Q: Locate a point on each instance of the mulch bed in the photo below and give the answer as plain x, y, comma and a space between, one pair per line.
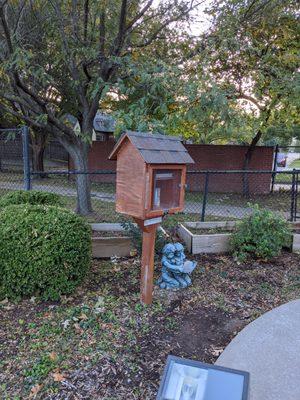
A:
101, 343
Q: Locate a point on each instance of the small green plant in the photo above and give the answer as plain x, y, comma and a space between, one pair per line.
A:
41, 368
44, 251
33, 197
260, 235
135, 235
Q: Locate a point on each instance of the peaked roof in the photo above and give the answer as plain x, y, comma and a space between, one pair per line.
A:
155, 148
104, 122
70, 119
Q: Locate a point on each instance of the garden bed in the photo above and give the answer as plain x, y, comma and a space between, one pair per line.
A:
206, 237
296, 237
110, 240
102, 343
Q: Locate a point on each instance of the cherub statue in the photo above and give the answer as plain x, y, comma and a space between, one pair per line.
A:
175, 270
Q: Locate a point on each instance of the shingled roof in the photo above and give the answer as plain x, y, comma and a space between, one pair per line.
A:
155, 148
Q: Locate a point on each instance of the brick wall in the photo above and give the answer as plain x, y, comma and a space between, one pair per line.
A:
98, 160
206, 157
230, 157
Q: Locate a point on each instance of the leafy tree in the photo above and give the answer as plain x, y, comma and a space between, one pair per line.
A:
255, 59
233, 84
62, 57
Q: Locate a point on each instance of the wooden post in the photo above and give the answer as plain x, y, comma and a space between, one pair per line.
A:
148, 264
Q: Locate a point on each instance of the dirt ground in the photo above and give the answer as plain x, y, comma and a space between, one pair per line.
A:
101, 343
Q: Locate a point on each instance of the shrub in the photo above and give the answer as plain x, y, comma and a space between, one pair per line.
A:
33, 197
44, 251
261, 235
135, 235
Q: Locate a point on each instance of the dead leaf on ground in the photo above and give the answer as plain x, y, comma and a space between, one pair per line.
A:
34, 391
58, 377
53, 356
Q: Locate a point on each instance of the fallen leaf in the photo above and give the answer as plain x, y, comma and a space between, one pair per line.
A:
66, 323
78, 328
99, 302
58, 377
34, 390
53, 356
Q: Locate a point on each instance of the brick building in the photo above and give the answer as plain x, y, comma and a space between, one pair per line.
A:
206, 157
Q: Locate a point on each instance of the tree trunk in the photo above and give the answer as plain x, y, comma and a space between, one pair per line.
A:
38, 161
252, 145
247, 161
38, 144
79, 155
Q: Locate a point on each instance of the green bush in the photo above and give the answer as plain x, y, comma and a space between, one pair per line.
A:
33, 197
44, 251
260, 235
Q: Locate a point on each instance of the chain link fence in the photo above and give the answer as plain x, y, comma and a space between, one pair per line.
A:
210, 195
232, 194
14, 159
102, 185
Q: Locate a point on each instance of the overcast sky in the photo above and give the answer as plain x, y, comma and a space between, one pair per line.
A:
202, 20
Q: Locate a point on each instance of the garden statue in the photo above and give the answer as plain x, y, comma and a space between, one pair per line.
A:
175, 269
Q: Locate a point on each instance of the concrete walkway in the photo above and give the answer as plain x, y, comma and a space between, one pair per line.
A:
62, 190
269, 348
218, 210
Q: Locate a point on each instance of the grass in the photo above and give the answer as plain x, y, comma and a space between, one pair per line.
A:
277, 201
288, 177
295, 164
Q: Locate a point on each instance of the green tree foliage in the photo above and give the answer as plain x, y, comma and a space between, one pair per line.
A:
231, 84
61, 57
255, 59
44, 251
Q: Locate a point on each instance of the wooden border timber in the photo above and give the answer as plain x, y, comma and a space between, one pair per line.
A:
106, 247
206, 243
110, 246
296, 243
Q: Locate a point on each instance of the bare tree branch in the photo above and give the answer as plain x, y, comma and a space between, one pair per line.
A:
164, 25
121, 31
86, 21
139, 15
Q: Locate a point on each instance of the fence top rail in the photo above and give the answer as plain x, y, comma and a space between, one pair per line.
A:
242, 171
73, 172
289, 147
10, 130
202, 172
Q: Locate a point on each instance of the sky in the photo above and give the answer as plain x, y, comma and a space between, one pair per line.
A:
201, 20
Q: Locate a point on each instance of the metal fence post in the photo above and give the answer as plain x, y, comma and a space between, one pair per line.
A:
296, 195
205, 196
26, 160
274, 168
293, 195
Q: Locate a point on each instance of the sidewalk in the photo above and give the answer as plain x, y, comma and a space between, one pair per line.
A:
269, 349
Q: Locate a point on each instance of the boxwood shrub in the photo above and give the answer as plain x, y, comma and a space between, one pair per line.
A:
44, 251
260, 235
33, 197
